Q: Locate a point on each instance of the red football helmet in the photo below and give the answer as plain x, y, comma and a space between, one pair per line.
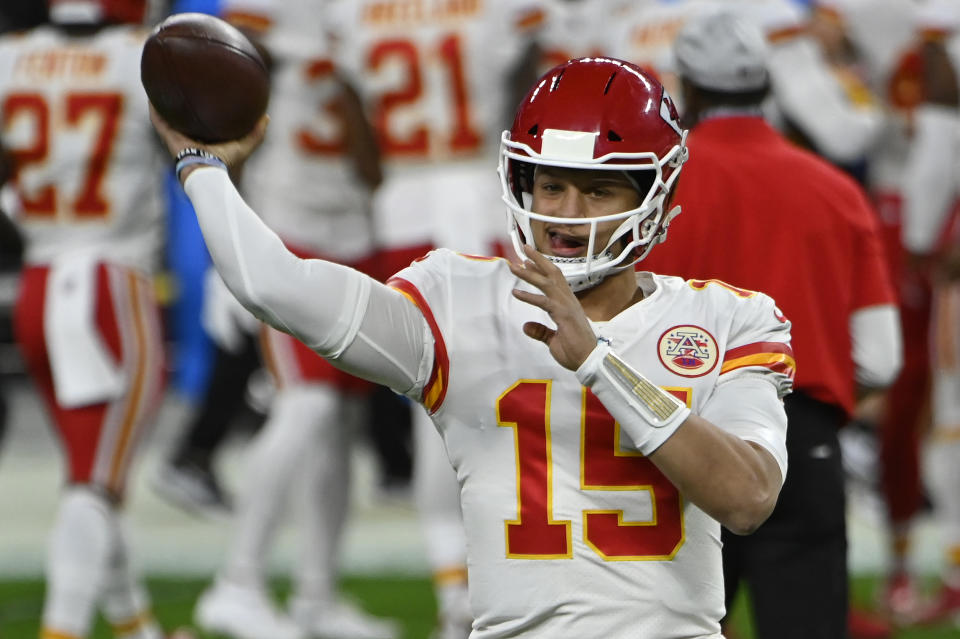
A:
97, 11
596, 113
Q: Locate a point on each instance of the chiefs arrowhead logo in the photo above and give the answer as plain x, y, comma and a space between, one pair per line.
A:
669, 113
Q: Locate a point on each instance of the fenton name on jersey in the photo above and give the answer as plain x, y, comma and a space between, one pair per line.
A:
44, 65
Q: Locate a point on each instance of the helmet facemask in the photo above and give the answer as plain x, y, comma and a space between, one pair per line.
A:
639, 229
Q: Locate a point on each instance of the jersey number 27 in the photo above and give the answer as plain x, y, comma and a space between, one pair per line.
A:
100, 110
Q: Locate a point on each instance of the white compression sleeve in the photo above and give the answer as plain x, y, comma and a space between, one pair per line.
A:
647, 414
362, 326
929, 184
876, 344
807, 92
760, 420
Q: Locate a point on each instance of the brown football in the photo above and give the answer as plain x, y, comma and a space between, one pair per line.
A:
204, 77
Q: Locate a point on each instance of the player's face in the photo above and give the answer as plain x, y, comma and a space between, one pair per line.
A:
577, 193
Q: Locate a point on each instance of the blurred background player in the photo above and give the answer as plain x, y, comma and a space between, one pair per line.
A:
75, 120
816, 102
785, 222
311, 181
187, 476
209, 371
896, 48
809, 101
576, 28
931, 241
439, 85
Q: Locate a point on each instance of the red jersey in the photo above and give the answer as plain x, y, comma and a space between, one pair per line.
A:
762, 214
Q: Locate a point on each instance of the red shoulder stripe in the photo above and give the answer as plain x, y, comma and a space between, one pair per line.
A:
435, 390
776, 356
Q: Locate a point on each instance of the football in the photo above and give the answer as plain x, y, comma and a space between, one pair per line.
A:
204, 77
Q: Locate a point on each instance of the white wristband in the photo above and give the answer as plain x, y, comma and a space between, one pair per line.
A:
647, 414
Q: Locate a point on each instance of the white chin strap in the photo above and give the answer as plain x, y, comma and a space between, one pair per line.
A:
575, 274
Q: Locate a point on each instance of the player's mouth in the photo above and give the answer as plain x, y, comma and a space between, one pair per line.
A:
566, 245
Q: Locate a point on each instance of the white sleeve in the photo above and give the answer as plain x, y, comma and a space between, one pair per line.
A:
929, 176
761, 419
358, 324
877, 345
808, 94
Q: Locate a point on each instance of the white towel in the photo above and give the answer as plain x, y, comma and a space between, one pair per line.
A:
84, 371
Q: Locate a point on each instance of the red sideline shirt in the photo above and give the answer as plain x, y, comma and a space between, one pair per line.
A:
762, 214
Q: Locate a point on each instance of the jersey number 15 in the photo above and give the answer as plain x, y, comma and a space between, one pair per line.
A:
604, 466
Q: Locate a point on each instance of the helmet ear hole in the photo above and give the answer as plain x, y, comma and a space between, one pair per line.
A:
522, 177
643, 181
613, 137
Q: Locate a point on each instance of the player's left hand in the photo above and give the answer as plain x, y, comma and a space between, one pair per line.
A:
573, 339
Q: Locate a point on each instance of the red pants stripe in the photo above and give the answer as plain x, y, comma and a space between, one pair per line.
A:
100, 439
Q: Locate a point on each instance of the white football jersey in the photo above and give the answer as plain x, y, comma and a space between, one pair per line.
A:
433, 72
89, 169
570, 532
434, 76
883, 34
804, 89
578, 28
930, 187
301, 180
879, 30
645, 35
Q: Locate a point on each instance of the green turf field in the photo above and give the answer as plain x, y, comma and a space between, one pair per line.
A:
405, 598
408, 599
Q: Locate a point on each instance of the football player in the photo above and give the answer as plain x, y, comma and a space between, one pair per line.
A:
86, 168
603, 423
878, 38
930, 236
806, 96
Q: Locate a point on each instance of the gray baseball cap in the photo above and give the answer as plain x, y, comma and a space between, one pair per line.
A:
722, 52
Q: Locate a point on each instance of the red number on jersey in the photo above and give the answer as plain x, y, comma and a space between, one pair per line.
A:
418, 141
605, 466
535, 534
525, 407
33, 106
103, 110
309, 140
